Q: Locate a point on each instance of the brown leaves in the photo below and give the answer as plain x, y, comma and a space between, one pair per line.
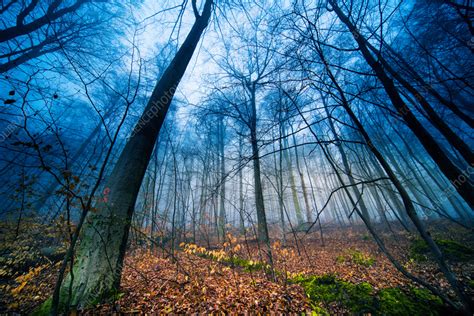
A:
190, 283
153, 284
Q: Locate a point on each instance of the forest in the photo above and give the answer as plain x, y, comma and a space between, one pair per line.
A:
236, 157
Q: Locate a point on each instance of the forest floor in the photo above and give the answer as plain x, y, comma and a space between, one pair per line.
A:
346, 275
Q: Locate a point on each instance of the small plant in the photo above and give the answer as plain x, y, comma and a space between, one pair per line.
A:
225, 257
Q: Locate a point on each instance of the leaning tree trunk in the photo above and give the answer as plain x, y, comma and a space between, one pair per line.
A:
411, 212
345, 163
97, 270
429, 88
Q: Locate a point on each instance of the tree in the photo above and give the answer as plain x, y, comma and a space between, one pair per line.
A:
97, 269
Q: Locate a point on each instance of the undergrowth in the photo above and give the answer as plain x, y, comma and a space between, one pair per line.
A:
357, 257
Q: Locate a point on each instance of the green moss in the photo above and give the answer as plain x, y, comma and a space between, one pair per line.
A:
340, 259
329, 290
357, 257
452, 250
470, 283
455, 251
43, 309
248, 265
361, 258
394, 301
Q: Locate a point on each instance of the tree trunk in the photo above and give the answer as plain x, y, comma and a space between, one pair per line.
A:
433, 117
429, 88
259, 203
279, 181
294, 193
309, 217
221, 221
241, 189
98, 268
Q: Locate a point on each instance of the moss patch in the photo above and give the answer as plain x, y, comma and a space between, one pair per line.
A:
43, 309
394, 301
329, 291
453, 250
357, 257
361, 258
